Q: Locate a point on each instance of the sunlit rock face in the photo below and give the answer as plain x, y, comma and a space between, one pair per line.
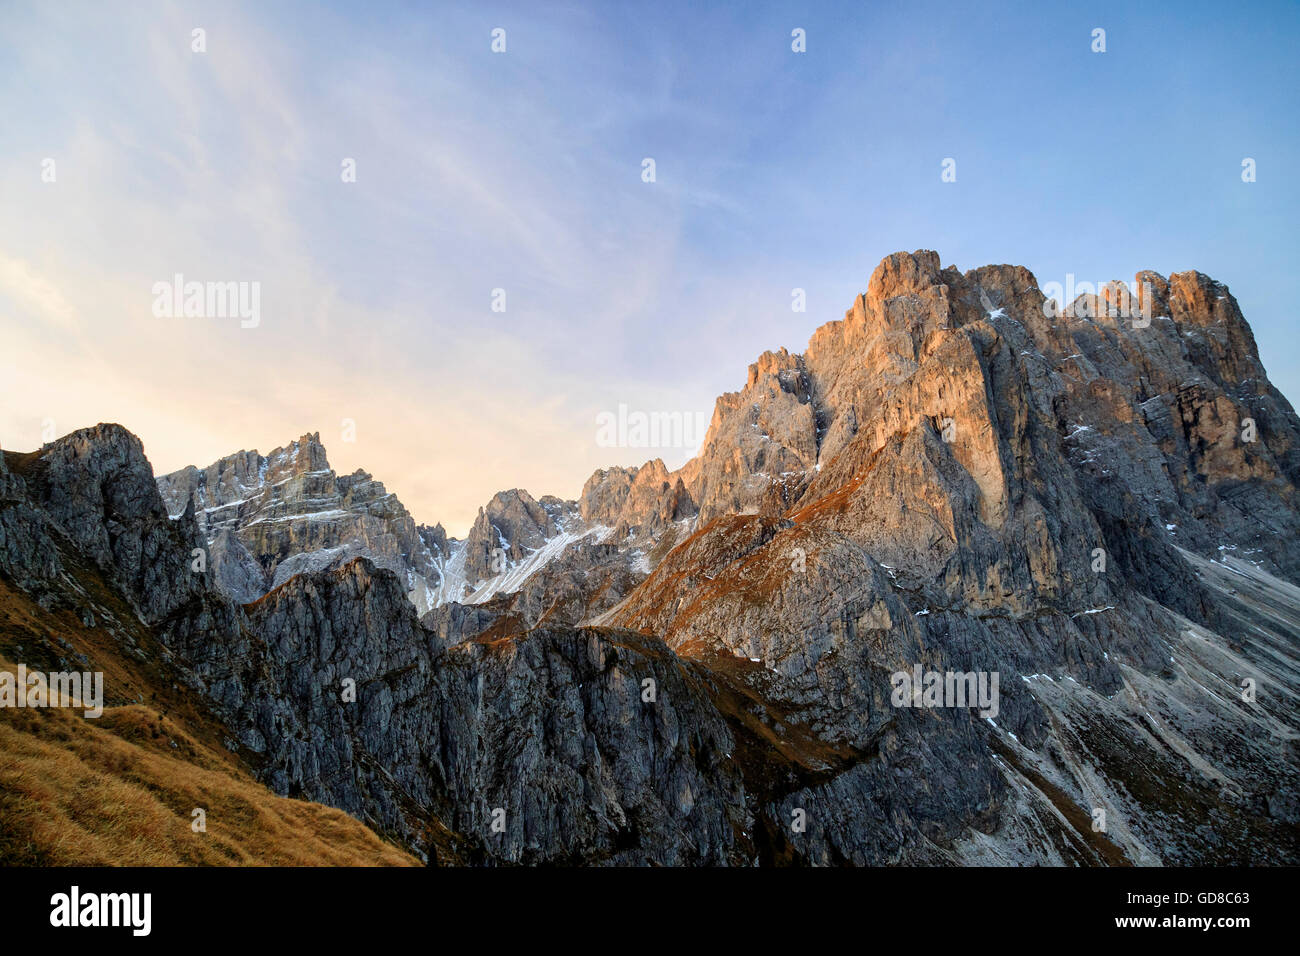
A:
1003, 485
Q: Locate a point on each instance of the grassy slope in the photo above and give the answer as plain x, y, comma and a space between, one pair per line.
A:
120, 790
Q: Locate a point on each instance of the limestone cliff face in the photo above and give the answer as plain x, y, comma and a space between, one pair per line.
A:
269, 518
548, 730
1175, 419
761, 442
513, 523
638, 503
956, 476
997, 486
94, 489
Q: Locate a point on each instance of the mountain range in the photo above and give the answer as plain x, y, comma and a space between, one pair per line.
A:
1092, 504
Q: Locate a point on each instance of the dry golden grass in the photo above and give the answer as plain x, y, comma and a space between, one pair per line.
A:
115, 791
120, 790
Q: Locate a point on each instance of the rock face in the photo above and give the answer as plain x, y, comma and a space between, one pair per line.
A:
269, 518
638, 503
266, 519
95, 489
333, 687
1091, 508
548, 728
761, 442
999, 491
512, 522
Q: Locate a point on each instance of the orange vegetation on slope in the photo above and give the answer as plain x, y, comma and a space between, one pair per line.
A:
121, 789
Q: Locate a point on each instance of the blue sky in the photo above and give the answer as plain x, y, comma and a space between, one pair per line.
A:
522, 171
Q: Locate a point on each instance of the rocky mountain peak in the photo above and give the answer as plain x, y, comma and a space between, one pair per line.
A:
96, 486
302, 456
904, 273
267, 518
510, 526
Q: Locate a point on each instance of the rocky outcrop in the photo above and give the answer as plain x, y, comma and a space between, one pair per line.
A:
95, 489
638, 503
269, 518
512, 525
761, 443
